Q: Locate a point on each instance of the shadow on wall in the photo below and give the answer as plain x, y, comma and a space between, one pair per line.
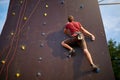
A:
54, 42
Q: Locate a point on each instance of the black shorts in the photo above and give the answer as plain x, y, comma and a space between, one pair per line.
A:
72, 40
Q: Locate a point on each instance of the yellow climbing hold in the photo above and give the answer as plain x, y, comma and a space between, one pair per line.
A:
25, 18
17, 74
12, 33
21, 1
23, 47
3, 61
46, 6
45, 14
13, 13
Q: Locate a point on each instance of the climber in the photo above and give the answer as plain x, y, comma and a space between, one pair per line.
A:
76, 32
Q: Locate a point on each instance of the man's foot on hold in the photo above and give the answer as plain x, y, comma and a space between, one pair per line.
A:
95, 68
71, 53
69, 56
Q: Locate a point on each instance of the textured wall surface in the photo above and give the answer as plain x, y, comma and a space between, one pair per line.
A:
30, 46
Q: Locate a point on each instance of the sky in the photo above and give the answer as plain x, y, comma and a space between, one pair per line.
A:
3, 12
111, 19
110, 16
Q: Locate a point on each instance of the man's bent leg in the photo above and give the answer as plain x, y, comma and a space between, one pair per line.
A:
66, 45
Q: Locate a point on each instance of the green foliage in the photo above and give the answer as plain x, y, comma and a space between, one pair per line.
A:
114, 50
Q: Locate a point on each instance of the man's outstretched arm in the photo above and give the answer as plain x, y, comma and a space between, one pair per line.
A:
88, 33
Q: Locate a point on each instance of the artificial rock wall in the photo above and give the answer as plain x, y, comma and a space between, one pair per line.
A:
30, 46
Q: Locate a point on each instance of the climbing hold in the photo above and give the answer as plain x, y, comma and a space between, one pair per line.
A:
12, 33
43, 34
3, 61
45, 14
17, 75
39, 74
40, 59
81, 6
102, 33
25, 18
46, 6
23, 47
21, 2
62, 1
13, 13
41, 45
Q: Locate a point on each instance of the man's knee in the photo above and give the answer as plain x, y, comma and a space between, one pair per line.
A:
85, 50
62, 43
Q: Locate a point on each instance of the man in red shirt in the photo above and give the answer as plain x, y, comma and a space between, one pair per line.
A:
76, 31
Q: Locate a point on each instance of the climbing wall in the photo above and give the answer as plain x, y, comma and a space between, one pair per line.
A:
30, 46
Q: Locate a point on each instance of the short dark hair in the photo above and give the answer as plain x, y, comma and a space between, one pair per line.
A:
70, 18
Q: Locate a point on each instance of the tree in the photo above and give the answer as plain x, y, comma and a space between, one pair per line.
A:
114, 50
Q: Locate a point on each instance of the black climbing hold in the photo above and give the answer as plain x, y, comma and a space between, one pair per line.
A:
62, 1
81, 6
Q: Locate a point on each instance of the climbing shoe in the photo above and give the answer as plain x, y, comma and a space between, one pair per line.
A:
71, 53
96, 69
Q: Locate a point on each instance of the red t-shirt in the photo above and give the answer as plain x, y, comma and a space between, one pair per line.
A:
73, 27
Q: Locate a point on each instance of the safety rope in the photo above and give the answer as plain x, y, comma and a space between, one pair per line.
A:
17, 33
